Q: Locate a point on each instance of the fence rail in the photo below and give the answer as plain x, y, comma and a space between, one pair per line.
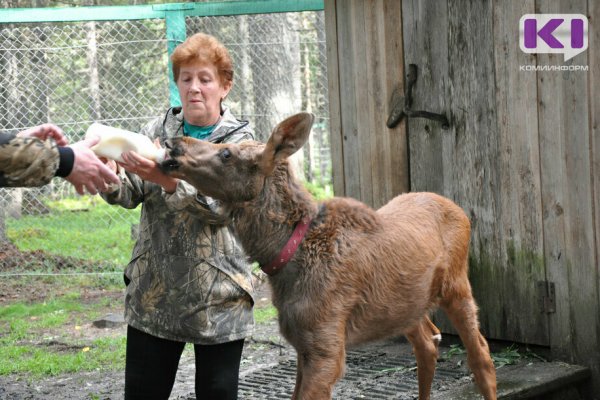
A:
78, 65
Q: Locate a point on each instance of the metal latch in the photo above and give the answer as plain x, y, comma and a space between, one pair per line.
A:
547, 297
400, 105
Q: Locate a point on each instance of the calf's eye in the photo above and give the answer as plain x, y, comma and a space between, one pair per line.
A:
225, 154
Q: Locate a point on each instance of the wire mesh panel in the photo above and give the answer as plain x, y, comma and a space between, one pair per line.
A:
116, 73
280, 68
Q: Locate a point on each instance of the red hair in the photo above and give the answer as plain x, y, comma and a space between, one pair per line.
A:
203, 48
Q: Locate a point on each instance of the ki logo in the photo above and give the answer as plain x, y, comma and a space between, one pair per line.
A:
554, 33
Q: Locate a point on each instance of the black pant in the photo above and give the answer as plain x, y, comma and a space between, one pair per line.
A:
151, 365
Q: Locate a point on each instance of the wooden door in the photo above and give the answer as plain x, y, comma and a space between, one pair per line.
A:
488, 161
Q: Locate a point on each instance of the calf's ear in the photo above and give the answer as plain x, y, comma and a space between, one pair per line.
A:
287, 138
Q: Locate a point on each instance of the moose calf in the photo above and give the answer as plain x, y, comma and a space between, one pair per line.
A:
341, 273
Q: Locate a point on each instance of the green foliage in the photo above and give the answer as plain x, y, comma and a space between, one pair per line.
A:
507, 356
82, 228
454, 350
24, 349
319, 192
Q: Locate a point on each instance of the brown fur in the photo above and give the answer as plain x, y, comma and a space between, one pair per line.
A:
359, 274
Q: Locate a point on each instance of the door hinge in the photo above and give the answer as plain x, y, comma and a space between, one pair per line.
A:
547, 296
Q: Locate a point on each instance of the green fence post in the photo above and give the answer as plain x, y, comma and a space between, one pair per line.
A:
176, 33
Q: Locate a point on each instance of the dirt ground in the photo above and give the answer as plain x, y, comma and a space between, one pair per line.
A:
384, 370
267, 367
262, 349
264, 354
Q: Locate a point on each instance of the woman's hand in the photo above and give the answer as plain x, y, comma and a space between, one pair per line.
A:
147, 170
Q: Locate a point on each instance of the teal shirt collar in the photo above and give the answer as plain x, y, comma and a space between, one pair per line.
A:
197, 132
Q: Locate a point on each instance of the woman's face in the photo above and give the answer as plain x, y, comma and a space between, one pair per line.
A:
201, 91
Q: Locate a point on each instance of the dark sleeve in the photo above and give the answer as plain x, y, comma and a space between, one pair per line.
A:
67, 160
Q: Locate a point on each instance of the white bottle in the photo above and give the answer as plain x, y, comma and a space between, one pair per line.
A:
114, 141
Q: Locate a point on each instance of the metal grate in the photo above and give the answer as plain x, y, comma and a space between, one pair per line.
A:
369, 375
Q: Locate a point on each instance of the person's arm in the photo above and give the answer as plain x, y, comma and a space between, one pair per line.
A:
45, 132
186, 198
129, 193
34, 156
27, 161
179, 195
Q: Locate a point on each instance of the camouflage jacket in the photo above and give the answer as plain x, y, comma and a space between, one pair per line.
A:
27, 161
189, 280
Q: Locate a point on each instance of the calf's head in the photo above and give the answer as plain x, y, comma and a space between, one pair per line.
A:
234, 172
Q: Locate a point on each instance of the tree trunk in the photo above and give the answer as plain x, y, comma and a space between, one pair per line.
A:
307, 100
243, 73
275, 63
92, 60
322, 103
36, 110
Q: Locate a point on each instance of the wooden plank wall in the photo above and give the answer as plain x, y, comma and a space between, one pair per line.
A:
593, 94
569, 196
364, 50
519, 226
521, 157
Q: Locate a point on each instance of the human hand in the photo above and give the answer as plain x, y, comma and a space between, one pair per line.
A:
112, 164
89, 172
147, 170
44, 132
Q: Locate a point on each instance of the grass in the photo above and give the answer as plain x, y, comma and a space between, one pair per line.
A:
36, 338
101, 354
265, 314
25, 346
29, 343
85, 228
68, 302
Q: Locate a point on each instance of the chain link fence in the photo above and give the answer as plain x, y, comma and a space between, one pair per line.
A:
116, 73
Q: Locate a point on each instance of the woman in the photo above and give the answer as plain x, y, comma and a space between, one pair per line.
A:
188, 280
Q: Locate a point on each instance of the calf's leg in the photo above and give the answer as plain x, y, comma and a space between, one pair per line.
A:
425, 338
299, 368
460, 307
319, 375
321, 361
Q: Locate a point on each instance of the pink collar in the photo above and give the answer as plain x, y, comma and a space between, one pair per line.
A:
288, 251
